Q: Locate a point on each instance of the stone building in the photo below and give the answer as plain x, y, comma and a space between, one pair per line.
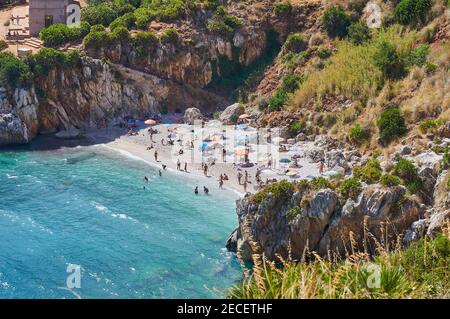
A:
43, 13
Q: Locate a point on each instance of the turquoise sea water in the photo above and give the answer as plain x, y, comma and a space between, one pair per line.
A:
86, 206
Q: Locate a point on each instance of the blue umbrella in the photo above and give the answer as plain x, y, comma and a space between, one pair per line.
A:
203, 146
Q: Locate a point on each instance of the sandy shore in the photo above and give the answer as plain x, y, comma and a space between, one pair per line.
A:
137, 146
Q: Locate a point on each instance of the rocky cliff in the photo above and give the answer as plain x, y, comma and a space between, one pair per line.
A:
292, 220
93, 94
197, 55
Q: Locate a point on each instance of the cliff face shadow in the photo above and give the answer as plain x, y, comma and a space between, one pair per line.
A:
50, 142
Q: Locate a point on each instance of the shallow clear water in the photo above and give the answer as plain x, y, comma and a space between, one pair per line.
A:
87, 206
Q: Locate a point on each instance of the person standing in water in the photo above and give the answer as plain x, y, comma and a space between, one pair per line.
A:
196, 190
146, 179
206, 190
160, 173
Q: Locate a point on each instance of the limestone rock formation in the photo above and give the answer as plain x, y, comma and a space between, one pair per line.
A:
192, 114
232, 113
299, 223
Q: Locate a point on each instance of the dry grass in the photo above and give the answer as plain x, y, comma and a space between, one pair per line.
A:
351, 72
420, 271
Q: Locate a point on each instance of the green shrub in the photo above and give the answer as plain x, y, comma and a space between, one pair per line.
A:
350, 188
390, 180
47, 58
389, 61
54, 35
291, 83
358, 33
282, 7
420, 271
294, 128
358, 134
370, 173
408, 173
428, 261
58, 34
223, 23
446, 159
97, 39
418, 56
440, 149
13, 71
170, 35
391, 124
323, 53
121, 33
296, 43
430, 67
320, 183
142, 42
101, 13
412, 11
278, 100
427, 125
97, 28
128, 20
282, 191
336, 21
293, 212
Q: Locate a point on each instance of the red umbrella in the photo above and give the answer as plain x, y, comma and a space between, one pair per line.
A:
150, 122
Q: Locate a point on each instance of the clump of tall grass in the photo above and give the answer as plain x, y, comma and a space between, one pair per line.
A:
352, 72
422, 270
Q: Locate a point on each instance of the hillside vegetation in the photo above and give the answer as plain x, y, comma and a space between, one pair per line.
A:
420, 271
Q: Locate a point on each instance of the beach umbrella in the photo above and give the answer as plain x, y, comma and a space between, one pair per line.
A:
203, 146
150, 122
285, 160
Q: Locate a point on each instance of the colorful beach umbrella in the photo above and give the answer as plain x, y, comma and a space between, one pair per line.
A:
285, 160
150, 122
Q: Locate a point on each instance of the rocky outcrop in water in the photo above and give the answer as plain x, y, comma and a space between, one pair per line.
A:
306, 222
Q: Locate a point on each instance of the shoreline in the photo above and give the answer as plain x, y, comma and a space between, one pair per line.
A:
131, 147
137, 147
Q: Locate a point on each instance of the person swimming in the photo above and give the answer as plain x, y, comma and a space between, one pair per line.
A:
146, 179
206, 190
196, 190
